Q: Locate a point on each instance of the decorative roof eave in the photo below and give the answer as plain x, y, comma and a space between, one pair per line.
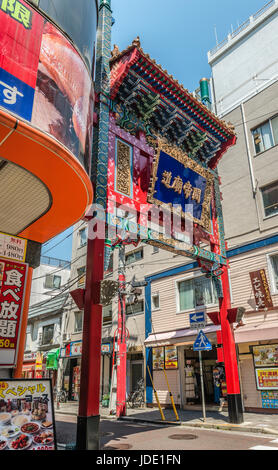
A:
136, 56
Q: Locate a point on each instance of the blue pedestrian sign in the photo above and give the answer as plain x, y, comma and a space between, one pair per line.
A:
202, 343
197, 320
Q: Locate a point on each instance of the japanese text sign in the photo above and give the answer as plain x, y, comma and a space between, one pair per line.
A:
26, 415
12, 247
267, 379
261, 289
12, 290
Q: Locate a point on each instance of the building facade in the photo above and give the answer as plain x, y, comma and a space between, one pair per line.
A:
49, 298
245, 77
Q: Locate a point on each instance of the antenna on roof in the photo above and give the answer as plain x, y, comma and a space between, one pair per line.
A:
215, 32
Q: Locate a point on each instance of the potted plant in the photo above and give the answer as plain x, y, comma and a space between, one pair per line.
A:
105, 401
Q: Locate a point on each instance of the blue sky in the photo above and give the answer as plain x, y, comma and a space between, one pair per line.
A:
177, 34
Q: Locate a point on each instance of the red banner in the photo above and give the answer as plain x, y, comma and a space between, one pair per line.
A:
12, 289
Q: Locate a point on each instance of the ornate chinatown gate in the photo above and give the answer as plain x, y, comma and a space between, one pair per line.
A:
161, 147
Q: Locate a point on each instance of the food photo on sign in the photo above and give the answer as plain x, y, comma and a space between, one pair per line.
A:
26, 415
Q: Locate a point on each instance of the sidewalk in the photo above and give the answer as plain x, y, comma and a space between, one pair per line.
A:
253, 422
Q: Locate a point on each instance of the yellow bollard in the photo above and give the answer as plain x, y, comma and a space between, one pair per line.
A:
171, 396
156, 397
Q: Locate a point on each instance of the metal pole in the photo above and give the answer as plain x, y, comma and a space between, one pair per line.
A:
202, 386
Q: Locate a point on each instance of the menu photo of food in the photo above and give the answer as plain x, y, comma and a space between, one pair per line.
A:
26, 415
171, 357
266, 355
158, 358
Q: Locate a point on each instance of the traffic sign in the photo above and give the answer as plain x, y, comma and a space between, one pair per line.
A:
202, 343
197, 320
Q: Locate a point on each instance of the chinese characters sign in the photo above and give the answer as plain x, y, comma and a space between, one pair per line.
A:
267, 379
12, 247
261, 289
12, 289
179, 181
26, 415
72, 349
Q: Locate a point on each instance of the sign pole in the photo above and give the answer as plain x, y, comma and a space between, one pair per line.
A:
202, 386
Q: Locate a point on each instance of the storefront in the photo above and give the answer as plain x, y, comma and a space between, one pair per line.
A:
179, 365
258, 364
71, 355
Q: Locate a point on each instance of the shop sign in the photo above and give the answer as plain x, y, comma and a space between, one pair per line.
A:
266, 355
27, 409
105, 348
270, 399
39, 361
13, 248
171, 357
267, 379
261, 289
12, 283
29, 357
158, 358
72, 349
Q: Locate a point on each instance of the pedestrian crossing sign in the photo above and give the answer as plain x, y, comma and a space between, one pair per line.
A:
202, 343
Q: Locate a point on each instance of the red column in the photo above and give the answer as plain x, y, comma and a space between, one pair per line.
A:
121, 353
88, 416
230, 357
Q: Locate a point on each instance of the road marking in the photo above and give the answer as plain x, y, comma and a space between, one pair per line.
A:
263, 448
275, 441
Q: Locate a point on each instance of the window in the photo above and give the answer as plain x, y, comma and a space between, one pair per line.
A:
270, 199
274, 271
47, 334
197, 292
78, 321
52, 281
155, 301
82, 237
81, 276
134, 256
135, 308
266, 135
107, 315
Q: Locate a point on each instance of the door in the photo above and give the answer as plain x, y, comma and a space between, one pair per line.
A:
136, 373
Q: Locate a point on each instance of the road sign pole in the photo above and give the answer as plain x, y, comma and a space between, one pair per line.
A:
202, 386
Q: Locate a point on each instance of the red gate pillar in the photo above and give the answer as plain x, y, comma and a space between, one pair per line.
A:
121, 353
230, 357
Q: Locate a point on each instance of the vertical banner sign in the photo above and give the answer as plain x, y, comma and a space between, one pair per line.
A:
27, 415
261, 289
12, 291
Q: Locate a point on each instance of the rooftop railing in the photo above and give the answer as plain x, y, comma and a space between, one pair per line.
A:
59, 263
242, 27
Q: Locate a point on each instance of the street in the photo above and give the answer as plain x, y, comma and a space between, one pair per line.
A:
123, 436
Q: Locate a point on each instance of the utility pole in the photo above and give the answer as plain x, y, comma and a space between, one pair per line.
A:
121, 343
88, 415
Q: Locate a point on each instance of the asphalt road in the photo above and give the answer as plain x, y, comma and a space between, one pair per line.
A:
117, 435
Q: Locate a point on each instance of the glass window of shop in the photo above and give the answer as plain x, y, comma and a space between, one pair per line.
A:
78, 20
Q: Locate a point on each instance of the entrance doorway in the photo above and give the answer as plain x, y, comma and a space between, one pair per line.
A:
136, 368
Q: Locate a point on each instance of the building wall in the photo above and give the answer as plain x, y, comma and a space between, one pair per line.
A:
39, 292
246, 61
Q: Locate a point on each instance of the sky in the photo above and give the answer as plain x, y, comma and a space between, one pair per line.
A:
178, 34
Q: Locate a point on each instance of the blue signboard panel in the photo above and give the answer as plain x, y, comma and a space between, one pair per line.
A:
197, 319
202, 343
177, 184
15, 95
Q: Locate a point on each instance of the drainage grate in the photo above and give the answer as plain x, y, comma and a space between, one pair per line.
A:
117, 447
180, 437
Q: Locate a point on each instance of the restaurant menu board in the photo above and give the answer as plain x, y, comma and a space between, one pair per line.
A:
12, 291
267, 379
270, 399
12, 247
171, 357
165, 357
266, 355
158, 358
27, 415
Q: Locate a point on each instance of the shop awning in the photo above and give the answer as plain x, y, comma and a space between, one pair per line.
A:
177, 336
264, 330
52, 359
